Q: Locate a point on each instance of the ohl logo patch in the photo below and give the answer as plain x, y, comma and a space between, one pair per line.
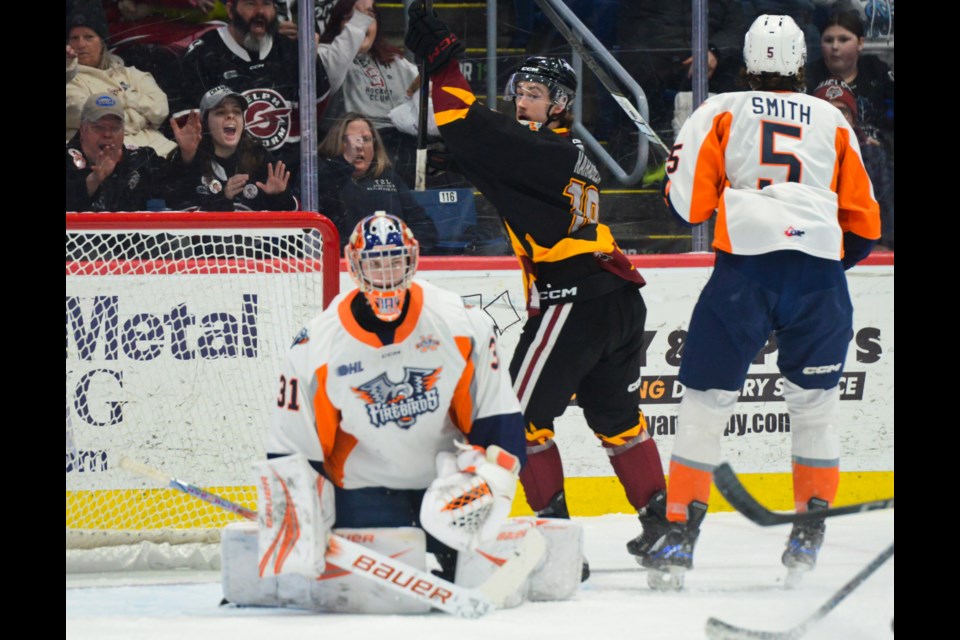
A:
427, 343
401, 402
269, 118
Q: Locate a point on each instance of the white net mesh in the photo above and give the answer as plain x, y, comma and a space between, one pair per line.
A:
173, 342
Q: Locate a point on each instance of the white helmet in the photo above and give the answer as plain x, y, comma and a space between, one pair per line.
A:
774, 44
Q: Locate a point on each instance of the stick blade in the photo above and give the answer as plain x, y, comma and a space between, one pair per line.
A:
730, 487
135, 466
719, 630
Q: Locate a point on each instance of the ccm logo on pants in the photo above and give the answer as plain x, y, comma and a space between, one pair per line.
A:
828, 368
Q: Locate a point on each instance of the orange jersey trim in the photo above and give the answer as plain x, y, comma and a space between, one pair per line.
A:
326, 416
350, 324
859, 210
461, 405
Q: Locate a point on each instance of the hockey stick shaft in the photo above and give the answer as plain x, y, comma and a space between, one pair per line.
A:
587, 56
421, 168
367, 563
730, 487
719, 630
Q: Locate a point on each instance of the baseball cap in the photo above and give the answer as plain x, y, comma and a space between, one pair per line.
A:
217, 95
836, 89
99, 105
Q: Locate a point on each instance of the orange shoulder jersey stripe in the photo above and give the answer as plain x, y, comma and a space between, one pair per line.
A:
781, 170
461, 406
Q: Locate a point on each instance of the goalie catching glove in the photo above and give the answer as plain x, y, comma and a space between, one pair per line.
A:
430, 40
470, 500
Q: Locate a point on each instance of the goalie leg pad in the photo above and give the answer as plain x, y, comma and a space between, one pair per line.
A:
336, 590
295, 507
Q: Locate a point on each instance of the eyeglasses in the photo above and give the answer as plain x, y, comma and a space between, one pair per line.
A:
363, 139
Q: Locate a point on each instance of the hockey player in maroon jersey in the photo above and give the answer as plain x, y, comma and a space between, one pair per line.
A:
784, 174
584, 332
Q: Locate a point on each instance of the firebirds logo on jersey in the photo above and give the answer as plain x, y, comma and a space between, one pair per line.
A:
401, 402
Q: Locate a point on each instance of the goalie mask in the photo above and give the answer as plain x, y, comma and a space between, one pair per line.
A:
382, 257
554, 73
774, 44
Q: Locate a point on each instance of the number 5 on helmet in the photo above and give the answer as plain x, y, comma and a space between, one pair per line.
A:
471, 498
296, 511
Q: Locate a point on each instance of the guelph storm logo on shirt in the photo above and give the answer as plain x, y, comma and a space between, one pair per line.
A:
401, 402
270, 118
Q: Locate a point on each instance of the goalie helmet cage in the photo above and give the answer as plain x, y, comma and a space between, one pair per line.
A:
176, 326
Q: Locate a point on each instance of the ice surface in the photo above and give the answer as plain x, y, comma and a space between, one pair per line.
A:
737, 577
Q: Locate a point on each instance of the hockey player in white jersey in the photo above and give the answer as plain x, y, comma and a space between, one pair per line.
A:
392, 373
783, 173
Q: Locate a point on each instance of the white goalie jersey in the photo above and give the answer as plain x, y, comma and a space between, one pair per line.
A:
377, 415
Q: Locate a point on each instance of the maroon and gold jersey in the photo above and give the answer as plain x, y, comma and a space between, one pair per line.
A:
541, 182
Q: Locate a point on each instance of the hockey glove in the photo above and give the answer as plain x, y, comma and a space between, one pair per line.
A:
430, 40
470, 500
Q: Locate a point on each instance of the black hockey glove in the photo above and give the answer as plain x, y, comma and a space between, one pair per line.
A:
429, 39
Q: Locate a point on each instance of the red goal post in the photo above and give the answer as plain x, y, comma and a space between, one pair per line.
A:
176, 324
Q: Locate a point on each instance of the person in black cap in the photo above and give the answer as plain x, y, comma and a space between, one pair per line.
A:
219, 166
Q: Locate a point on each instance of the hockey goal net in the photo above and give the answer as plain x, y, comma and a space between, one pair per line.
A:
175, 327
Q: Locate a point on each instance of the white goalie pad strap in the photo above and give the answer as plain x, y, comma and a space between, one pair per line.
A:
337, 590
472, 496
556, 577
295, 510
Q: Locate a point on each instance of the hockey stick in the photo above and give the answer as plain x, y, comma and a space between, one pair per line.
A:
421, 174
740, 499
719, 630
361, 561
587, 56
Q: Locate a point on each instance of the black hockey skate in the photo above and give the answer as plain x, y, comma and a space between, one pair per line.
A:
558, 509
653, 519
669, 557
804, 544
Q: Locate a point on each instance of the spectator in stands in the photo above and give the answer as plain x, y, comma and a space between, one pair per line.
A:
356, 177
102, 173
378, 80
91, 69
289, 12
656, 49
219, 166
153, 35
869, 78
879, 167
246, 56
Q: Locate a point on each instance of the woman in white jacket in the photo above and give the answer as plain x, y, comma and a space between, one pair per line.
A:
95, 70
378, 80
